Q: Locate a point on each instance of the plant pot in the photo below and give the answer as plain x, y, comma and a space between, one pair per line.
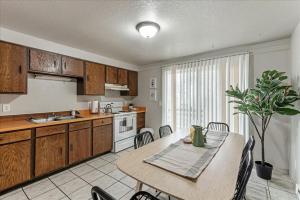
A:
264, 171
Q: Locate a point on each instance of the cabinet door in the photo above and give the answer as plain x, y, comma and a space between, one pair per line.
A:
79, 145
122, 76
102, 139
13, 68
94, 79
14, 163
132, 84
111, 75
140, 120
72, 67
45, 62
50, 153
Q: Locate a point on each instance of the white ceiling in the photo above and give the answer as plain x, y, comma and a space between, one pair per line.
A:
187, 27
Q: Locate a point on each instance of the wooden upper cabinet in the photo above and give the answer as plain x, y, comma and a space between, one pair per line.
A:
111, 75
94, 80
44, 62
15, 151
132, 84
72, 67
13, 68
122, 76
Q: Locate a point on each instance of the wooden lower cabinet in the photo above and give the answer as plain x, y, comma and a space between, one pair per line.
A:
50, 153
140, 120
79, 145
102, 139
14, 163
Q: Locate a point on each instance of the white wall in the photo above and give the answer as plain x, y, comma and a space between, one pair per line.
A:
295, 125
51, 96
269, 55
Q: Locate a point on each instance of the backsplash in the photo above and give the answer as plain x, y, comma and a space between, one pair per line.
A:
52, 96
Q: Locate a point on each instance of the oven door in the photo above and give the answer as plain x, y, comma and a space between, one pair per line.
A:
124, 127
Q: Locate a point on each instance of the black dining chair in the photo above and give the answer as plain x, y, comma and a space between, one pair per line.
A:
99, 194
217, 126
142, 139
249, 146
165, 131
243, 177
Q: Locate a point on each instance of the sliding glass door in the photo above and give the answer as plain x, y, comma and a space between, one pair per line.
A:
194, 92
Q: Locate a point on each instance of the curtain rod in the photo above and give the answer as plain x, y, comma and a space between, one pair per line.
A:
206, 59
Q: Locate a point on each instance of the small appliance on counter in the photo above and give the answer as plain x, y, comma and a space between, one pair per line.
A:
94, 106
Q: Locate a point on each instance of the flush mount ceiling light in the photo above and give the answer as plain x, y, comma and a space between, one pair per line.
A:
147, 29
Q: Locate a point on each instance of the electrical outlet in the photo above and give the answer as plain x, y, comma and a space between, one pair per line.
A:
6, 108
298, 191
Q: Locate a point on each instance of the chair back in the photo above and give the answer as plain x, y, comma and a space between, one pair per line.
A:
99, 194
142, 139
143, 196
217, 126
165, 131
249, 146
243, 176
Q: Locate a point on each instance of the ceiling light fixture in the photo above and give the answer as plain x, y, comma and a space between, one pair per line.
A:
147, 29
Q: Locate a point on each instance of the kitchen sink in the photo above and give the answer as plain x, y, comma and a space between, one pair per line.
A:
50, 119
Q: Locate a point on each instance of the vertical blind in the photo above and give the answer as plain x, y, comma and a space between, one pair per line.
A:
194, 92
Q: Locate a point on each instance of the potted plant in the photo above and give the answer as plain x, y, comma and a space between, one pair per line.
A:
269, 96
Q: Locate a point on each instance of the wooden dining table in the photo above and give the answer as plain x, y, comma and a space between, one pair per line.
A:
216, 182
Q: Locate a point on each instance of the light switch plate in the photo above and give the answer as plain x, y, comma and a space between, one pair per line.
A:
5, 107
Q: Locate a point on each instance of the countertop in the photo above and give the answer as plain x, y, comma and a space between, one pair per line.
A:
14, 125
17, 124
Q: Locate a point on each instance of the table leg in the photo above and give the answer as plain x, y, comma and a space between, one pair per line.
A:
139, 186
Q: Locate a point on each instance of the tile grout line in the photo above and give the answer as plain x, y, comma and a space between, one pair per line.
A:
59, 189
41, 193
25, 193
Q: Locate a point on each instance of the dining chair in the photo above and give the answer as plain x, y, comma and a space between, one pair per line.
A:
217, 126
99, 194
165, 130
142, 139
248, 147
243, 177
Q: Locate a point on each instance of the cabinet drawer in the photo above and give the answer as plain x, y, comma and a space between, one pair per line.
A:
79, 125
16, 136
50, 130
100, 122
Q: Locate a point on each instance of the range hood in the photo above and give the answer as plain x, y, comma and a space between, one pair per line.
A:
116, 87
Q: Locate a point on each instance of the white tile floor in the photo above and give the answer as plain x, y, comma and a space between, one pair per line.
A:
76, 183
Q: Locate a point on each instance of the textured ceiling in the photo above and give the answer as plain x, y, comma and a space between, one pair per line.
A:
187, 27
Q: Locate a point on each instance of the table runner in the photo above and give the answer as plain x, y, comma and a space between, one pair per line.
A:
187, 160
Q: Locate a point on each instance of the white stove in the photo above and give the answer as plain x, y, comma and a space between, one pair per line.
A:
124, 126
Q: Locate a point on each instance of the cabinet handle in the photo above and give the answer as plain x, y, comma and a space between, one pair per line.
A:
71, 147
55, 63
20, 69
65, 65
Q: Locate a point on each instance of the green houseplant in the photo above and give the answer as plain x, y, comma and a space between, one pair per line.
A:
269, 96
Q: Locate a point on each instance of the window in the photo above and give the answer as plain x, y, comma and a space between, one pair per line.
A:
194, 92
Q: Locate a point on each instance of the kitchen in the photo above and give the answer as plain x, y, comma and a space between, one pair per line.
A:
151, 99
47, 142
